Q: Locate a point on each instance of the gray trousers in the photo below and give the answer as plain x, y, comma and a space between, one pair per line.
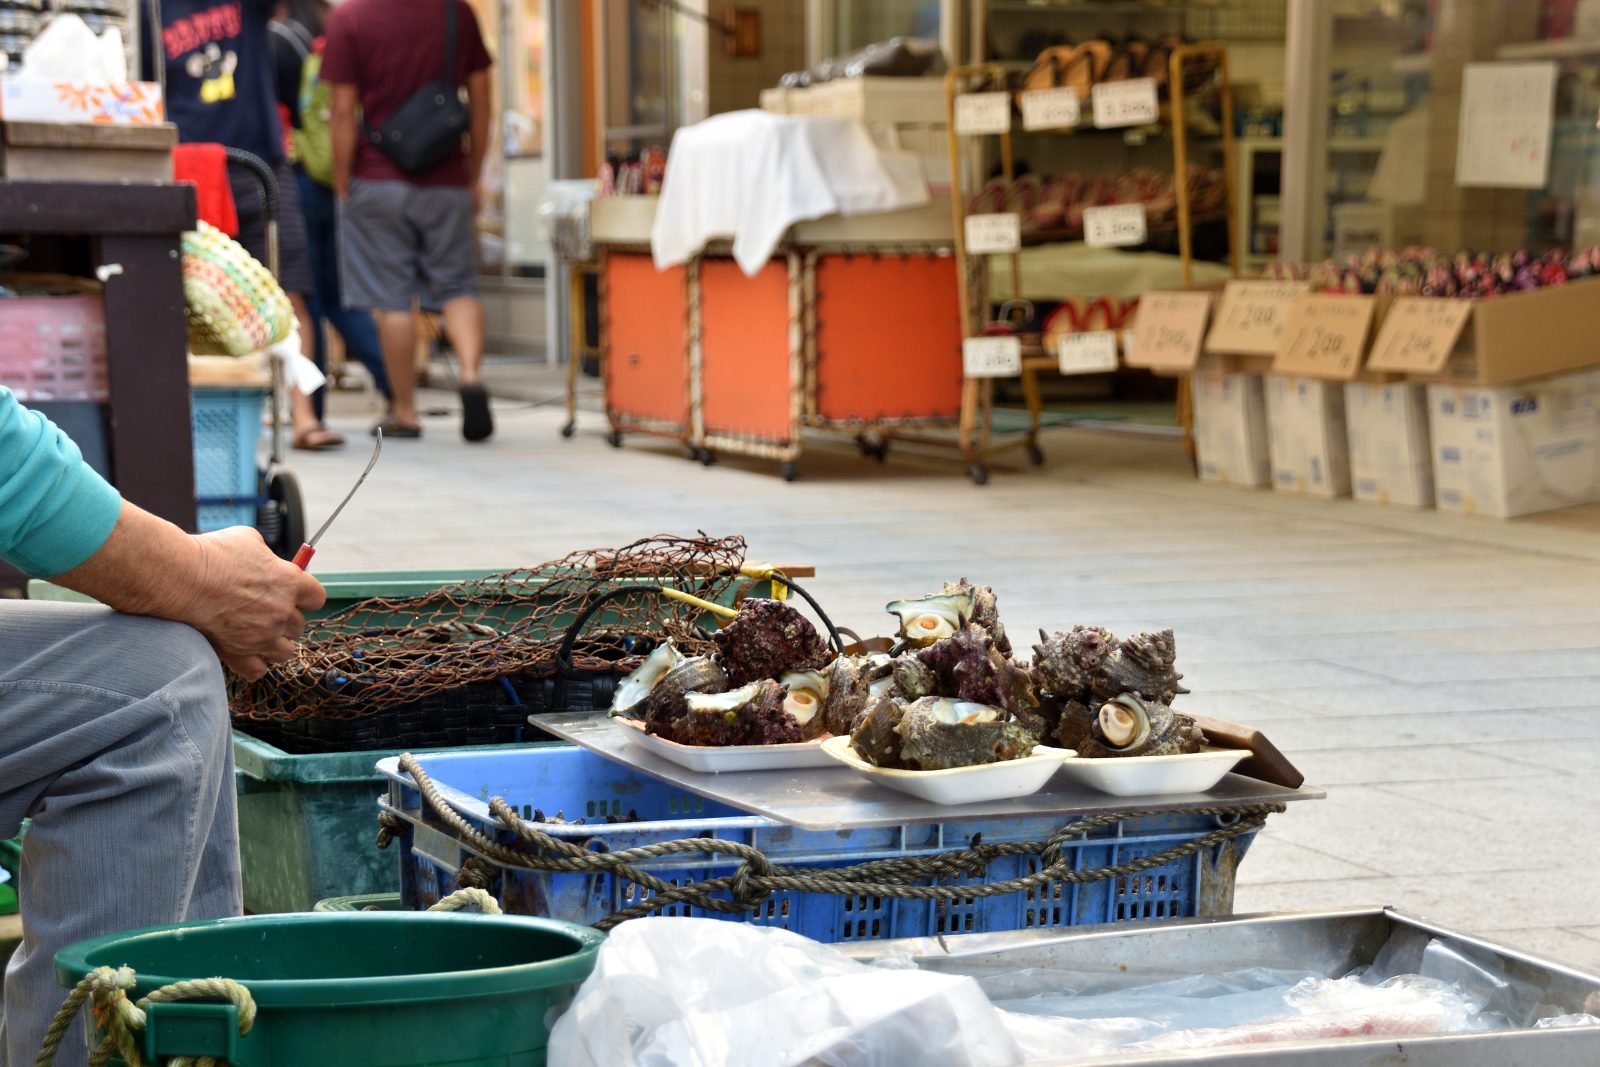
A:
114, 738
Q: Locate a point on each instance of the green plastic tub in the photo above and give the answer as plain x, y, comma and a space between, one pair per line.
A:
362, 989
365, 902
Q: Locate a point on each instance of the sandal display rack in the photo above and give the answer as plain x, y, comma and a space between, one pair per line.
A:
977, 439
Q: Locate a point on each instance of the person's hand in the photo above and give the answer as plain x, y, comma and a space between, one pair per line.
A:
246, 601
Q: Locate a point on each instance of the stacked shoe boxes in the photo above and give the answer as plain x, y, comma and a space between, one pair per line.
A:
1230, 429
1516, 449
1390, 457
1306, 438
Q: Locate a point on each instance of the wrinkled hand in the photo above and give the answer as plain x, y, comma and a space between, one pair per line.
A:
247, 602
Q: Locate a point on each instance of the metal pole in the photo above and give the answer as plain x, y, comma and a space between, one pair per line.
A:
1305, 130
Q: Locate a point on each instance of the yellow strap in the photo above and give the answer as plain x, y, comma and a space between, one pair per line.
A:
704, 605
762, 571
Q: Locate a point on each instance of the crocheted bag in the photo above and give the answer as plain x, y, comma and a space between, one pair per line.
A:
233, 304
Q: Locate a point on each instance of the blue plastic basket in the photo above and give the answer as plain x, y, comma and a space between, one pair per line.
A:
579, 785
227, 428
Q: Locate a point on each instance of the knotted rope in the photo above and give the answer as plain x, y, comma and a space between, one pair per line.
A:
124, 1021
757, 877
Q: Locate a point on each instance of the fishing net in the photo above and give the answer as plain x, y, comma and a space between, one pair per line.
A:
503, 630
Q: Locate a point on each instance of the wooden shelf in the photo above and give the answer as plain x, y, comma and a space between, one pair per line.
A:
1563, 48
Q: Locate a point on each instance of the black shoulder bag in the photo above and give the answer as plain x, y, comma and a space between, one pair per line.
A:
427, 127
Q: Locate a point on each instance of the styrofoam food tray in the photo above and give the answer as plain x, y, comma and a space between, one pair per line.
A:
959, 785
708, 759
1156, 776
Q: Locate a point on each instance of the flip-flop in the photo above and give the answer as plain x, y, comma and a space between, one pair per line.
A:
477, 424
317, 439
391, 427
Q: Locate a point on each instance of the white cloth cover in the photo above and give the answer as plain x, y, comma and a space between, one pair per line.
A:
750, 175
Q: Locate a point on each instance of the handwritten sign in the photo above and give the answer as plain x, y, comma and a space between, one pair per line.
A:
993, 233
1325, 337
1094, 352
1132, 102
1114, 225
991, 357
1251, 316
1170, 327
1506, 114
1419, 334
983, 113
1050, 109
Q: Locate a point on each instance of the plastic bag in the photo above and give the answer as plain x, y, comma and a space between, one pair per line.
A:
692, 992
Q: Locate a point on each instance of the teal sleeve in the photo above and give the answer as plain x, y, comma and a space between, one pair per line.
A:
55, 511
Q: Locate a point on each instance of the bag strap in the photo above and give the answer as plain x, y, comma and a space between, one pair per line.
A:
450, 42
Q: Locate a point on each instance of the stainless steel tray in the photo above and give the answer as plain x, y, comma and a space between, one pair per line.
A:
1332, 942
835, 798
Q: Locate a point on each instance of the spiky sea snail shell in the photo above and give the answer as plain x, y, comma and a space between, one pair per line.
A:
926, 620
633, 689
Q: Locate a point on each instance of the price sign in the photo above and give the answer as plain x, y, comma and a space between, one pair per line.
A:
1131, 102
1170, 328
1507, 111
1094, 352
1050, 109
1251, 316
993, 233
1325, 337
1113, 225
991, 357
1419, 334
983, 113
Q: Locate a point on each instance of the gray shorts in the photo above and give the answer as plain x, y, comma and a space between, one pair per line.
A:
399, 242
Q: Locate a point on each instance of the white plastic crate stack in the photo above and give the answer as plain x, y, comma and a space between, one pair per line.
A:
1306, 436
1391, 461
1230, 429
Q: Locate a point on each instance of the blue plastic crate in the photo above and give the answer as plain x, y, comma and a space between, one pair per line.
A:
580, 785
227, 429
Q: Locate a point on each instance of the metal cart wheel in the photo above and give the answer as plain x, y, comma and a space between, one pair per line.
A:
282, 519
979, 474
1035, 455
790, 471
568, 428
707, 457
614, 439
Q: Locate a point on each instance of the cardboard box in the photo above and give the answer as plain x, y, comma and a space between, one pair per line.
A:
35, 100
1306, 436
1230, 429
1391, 459
1516, 449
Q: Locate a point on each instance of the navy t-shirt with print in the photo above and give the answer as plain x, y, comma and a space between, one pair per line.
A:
220, 74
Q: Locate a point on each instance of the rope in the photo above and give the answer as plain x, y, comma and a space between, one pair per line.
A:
469, 898
757, 877
106, 990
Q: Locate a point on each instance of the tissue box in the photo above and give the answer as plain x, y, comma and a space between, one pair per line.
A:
24, 99
1306, 436
1230, 429
1390, 461
1517, 449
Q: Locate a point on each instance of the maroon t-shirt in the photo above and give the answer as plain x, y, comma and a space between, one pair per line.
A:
388, 49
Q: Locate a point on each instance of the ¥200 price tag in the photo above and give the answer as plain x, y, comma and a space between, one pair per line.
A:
992, 357
1114, 225
1094, 352
983, 113
993, 233
1419, 334
1050, 109
1126, 103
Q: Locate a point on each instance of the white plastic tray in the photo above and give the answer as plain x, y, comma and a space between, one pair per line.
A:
959, 785
1156, 776
708, 759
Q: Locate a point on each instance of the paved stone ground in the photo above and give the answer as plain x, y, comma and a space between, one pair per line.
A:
1439, 676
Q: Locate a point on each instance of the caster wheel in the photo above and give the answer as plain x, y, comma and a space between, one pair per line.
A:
569, 429
287, 521
790, 472
707, 457
692, 452
979, 474
881, 453
1036, 455
614, 439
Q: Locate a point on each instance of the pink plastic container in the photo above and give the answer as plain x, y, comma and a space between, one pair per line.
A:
53, 347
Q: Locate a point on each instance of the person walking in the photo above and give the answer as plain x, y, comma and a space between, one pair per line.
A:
407, 157
304, 103
114, 729
220, 90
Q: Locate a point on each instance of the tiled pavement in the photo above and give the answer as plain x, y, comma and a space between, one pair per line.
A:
1439, 676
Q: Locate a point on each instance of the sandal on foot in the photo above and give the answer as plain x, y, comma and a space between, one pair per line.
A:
393, 427
317, 439
477, 424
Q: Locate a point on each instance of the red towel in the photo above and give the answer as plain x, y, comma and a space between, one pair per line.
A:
205, 166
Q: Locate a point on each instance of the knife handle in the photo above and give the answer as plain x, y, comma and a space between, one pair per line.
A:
302, 558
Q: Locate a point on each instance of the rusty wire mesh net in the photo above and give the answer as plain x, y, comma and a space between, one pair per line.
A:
380, 654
